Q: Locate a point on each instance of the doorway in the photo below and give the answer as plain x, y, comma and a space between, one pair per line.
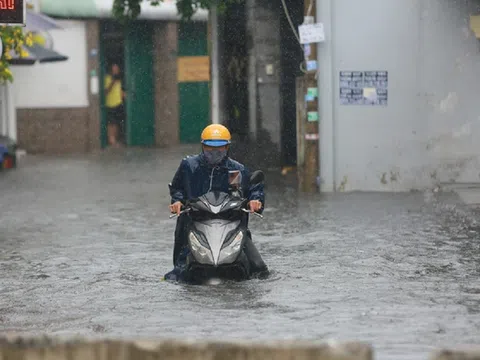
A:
291, 58
112, 45
235, 70
131, 47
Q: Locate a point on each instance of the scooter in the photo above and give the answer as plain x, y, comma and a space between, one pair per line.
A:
217, 232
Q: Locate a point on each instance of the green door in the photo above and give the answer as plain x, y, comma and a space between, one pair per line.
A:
194, 95
140, 124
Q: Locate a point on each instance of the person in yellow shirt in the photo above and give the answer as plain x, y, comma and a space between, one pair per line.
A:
114, 96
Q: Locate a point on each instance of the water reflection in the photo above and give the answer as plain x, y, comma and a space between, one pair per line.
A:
84, 244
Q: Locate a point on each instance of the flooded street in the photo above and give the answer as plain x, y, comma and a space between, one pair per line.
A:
85, 241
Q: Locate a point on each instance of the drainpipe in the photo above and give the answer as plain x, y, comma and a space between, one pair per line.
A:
3, 111
252, 71
11, 112
215, 103
3, 104
334, 108
327, 88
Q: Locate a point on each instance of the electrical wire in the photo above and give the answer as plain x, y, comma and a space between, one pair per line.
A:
310, 6
287, 14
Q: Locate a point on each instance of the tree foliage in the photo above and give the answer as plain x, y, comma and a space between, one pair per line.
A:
13, 38
125, 10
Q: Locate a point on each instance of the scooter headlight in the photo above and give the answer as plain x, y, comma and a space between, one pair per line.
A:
202, 254
230, 252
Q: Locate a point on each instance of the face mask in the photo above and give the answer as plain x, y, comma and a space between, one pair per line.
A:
213, 157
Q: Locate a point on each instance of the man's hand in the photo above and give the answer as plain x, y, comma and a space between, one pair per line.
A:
255, 205
176, 207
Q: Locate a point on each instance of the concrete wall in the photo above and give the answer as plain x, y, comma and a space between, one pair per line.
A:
165, 46
47, 349
23, 348
60, 84
426, 132
450, 70
92, 136
263, 28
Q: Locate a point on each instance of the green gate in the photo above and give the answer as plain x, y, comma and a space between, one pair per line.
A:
140, 126
193, 82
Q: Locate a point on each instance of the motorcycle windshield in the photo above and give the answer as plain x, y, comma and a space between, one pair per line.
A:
216, 202
216, 198
216, 232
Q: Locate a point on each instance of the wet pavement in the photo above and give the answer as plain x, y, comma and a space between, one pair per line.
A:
84, 242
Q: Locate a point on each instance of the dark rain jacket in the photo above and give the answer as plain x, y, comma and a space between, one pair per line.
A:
195, 177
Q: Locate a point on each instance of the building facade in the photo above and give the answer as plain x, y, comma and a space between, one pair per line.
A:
166, 67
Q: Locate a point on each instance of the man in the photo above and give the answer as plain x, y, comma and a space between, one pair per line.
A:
114, 96
209, 171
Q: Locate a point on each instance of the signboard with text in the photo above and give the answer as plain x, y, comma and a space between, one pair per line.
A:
311, 33
12, 12
364, 88
193, 69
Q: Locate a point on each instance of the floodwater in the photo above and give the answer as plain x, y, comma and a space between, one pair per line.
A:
85, 241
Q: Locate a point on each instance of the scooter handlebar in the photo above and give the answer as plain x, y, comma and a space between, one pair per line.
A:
181, 212
254, 213
188, 209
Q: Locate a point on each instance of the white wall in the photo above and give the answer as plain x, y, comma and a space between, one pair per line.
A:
59, 84
451, 89
427, 132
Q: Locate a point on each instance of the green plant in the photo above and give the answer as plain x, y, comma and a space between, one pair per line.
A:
13, 39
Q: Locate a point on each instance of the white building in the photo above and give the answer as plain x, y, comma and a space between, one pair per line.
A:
60, 106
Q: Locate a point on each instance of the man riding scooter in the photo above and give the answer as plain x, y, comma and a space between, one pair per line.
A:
209, 171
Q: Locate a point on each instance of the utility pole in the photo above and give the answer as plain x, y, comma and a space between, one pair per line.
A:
308, 137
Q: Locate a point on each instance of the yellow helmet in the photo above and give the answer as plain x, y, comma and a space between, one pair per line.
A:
216, 135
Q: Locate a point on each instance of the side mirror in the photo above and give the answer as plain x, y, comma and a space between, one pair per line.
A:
257, 177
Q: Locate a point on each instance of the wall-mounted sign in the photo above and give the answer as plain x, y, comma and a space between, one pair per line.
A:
312, 136
364, 88
307, 50
193, 68
311, 33
312, 116
311, 65
312, 92
12, 12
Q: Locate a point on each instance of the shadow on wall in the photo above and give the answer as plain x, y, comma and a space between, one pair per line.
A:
261, 154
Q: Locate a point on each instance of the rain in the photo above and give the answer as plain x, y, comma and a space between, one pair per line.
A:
384, 249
